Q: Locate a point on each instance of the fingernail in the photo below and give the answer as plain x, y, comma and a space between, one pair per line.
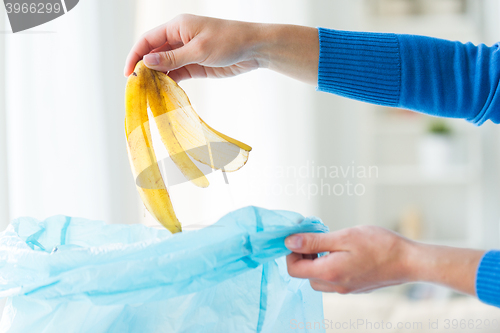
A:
294, 242
152, 59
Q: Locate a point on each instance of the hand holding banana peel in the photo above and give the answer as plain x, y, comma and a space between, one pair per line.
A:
182, 131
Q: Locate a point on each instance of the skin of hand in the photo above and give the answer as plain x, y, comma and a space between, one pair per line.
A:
192, 46
365, 258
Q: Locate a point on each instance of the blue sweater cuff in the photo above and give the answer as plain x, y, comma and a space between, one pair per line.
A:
360, 65
488, 279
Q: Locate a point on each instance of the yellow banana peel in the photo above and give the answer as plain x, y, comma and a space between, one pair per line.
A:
182, 132
149, 181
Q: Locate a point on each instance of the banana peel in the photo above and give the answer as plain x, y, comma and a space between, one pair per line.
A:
183, 133
198, 139
149, 181
161, 102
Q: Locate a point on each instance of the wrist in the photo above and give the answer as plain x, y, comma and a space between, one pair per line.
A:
265, 42
417, 269
407, 265
288, 49
455, 268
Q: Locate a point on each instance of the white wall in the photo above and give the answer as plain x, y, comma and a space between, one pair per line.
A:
64, 116
338, 121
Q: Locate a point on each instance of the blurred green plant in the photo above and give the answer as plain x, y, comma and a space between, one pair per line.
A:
439, 127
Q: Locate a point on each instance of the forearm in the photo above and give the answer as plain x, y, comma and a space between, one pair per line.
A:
290, 50
455, 268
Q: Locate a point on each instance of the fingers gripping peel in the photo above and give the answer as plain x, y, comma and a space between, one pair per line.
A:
182, 132
149, 181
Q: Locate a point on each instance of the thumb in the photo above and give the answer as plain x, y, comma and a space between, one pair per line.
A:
309, 243
172, 59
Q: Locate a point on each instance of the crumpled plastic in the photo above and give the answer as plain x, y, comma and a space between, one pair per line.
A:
69, 275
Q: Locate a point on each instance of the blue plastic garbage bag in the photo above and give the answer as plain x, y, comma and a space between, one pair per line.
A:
74, 275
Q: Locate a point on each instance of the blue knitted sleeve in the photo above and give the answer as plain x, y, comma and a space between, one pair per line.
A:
488, 279
429, 75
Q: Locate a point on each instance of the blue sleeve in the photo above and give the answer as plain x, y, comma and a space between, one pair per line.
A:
488, 279
429, 75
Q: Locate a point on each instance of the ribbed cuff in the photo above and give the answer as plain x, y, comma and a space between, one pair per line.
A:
360, 65
488, 279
